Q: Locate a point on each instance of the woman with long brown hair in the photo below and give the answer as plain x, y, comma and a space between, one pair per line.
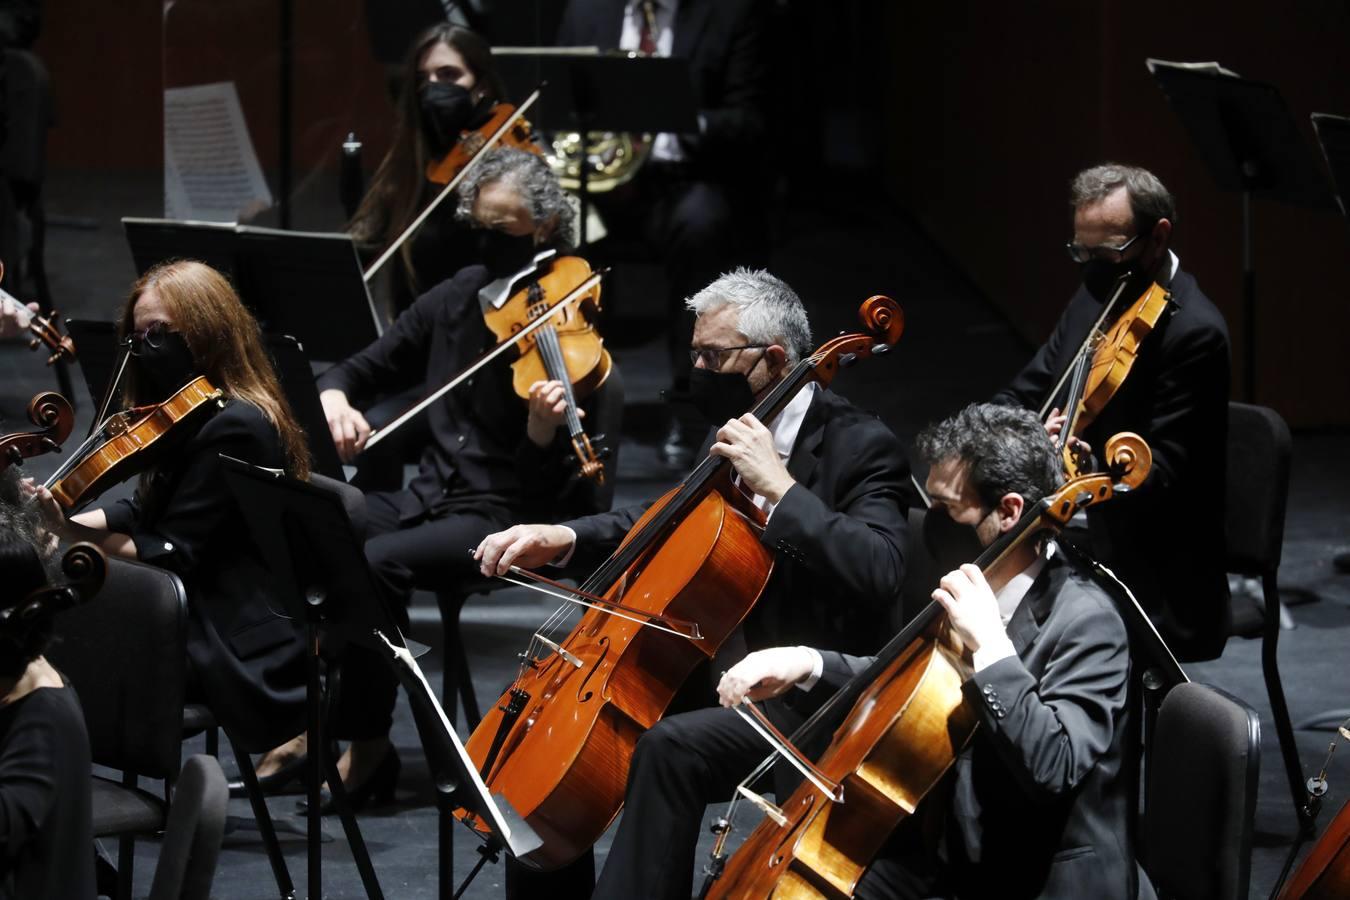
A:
449, 84
245, 660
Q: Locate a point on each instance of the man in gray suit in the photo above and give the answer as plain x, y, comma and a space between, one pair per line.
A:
1036, 805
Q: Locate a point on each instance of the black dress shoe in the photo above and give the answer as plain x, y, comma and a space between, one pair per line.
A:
377, 790
294, 770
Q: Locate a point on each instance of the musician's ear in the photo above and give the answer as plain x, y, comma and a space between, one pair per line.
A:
775, 359
1010, 510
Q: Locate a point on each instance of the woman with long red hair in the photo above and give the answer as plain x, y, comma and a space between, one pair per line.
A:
182, 319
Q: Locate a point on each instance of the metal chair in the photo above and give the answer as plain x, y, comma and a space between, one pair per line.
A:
1202, 795
1259, 451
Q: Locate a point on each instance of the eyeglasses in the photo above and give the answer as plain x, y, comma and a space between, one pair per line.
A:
714, 358
151, 336
1080, 254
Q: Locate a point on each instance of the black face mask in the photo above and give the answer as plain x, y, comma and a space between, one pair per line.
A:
447, 109
162, 370
719, 396
1100, 278
949, 543
505, 254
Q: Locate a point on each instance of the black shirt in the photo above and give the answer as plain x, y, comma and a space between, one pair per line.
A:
46, 835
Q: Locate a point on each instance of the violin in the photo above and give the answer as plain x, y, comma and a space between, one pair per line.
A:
44, 331
506, 125
128, 442
1102, 364
558, 744
55, 419
542, 314
568, 350
907, 723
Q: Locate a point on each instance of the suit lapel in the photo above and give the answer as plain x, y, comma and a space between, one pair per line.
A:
806, 450
607, 26
1025, 625
690, 20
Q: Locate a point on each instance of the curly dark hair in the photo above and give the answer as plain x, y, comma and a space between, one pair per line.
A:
1006, 448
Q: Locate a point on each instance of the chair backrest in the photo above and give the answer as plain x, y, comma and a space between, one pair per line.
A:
1202, 794
1257, 489
353, 501
125, 654
191, 847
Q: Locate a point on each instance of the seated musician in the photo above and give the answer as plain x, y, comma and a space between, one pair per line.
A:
245, 660
492, 457
1036, 805
449, 84
699, 202
46, 834
831, 479
1165, 540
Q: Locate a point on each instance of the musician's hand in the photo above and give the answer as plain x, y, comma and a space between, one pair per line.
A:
349, 428
527, 546
749, 446
764, 673
548, 409
14, 319
971, 608
1054, 423
53, 516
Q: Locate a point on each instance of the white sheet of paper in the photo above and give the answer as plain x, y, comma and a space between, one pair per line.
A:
211, 172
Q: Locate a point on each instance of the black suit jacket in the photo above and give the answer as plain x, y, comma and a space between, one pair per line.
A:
479, 451
1166, 540
1037, 804
723, 41
838, 535
245, 657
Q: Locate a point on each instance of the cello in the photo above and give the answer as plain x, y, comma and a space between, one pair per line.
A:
559, 744
907, 723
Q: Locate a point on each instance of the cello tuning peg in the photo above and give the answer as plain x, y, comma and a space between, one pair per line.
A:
847, 359
880, 349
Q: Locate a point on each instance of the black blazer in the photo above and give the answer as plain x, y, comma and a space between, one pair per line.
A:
839, 535
479, 451
1039, 806
245, 657
1166, 540
723, 41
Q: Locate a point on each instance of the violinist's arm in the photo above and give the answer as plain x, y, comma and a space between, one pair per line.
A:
1030, 387
89, 526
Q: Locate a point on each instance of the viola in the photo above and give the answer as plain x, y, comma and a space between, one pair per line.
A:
54, 418
44, 331
568, 350
559, 743
506, 125
128, 442
907, 723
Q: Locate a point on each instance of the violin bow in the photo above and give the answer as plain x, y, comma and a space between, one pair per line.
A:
1083, 347
454, 183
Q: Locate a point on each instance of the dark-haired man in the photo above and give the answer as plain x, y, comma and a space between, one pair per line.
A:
1166, 539
1037, 803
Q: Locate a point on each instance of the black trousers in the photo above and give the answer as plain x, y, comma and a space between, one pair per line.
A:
432, 554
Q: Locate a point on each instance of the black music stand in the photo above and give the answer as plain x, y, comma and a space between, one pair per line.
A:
590, 92
98, 357
309, 284
313, 551
1251, 145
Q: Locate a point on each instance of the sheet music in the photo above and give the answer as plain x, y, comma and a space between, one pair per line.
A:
211, 171
1210, 68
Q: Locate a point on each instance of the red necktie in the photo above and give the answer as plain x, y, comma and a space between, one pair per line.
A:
646, 29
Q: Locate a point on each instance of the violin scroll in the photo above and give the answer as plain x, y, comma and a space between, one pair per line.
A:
55, 419
1128, 460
